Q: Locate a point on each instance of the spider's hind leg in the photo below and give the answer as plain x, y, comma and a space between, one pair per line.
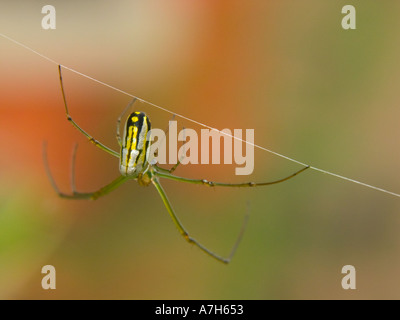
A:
75, 194
186, 235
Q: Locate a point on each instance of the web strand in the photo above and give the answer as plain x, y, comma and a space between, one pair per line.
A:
199, 123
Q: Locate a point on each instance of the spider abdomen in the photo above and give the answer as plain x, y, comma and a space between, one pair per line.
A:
135, 145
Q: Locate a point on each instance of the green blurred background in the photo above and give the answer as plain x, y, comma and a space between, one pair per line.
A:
311, 90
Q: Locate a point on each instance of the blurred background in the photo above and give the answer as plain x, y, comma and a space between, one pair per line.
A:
310, 90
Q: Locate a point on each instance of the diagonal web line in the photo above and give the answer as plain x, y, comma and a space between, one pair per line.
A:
199, 123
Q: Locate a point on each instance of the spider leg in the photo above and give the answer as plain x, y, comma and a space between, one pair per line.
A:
169, 171
69, 118
186, 235
119, 120
183, 155
222, 184
72, 173
75, 194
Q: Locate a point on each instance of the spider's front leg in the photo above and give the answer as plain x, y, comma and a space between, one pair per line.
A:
69, 118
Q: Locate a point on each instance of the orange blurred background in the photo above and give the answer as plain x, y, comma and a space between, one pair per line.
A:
310, 90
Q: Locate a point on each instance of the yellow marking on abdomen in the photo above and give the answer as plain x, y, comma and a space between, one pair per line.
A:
128, 139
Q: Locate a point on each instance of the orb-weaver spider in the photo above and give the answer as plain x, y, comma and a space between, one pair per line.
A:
135, 164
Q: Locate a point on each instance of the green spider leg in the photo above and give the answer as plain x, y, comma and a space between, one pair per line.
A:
172, 169
75, 194
69, 118
165, 174
119, 120
186, 235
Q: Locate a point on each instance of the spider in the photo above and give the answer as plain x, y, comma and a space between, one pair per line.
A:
134, 164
